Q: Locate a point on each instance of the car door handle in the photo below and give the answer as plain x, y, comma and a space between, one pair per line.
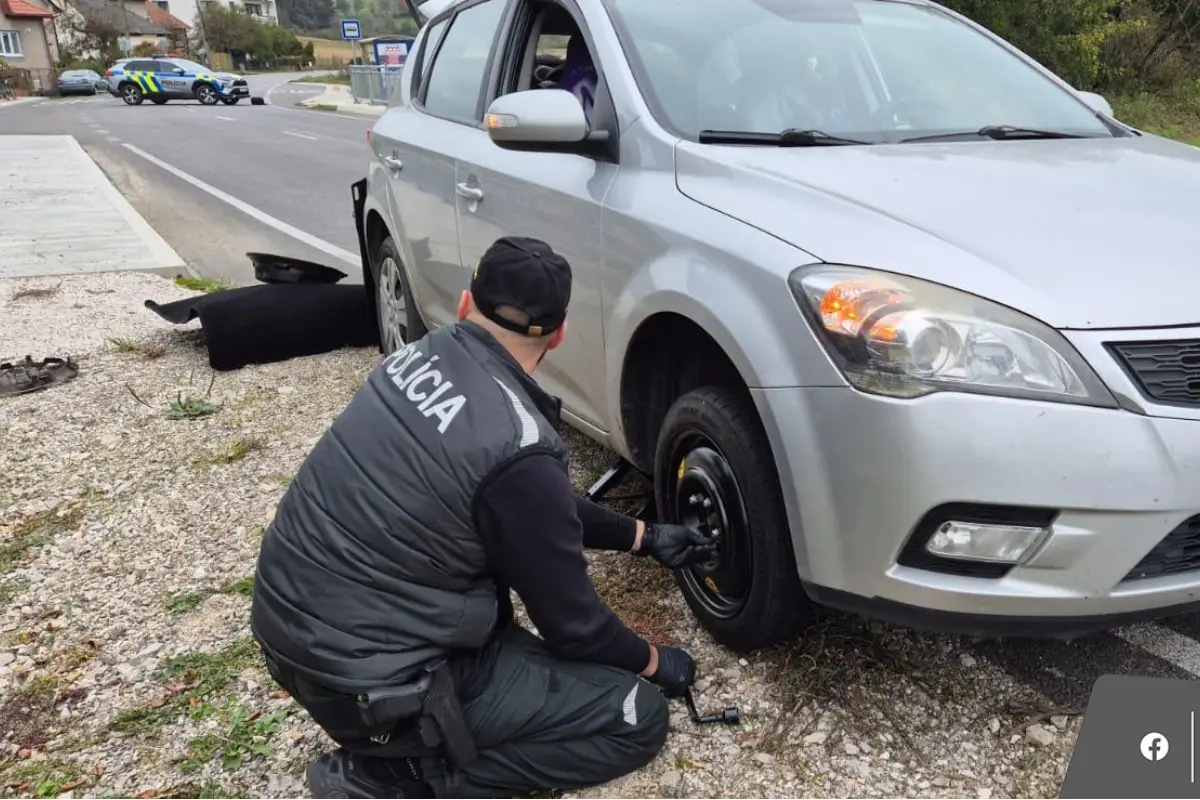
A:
393, 163
469, 192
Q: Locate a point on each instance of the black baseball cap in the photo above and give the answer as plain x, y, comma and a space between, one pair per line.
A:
528, 275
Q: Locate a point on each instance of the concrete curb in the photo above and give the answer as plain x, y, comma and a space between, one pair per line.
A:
337, 97
19, 101
66, 217
362, 109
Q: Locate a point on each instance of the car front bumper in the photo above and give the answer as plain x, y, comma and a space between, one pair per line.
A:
235, 91
860, 472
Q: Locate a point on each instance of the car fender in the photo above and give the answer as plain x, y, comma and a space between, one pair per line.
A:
378, 199
762, 332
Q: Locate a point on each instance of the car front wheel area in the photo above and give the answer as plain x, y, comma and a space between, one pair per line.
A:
207, 95
714, 472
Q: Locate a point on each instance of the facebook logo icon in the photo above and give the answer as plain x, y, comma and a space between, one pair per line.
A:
1155, 746
1138, 740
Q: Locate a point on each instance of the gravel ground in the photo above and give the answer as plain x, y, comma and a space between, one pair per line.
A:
127, 545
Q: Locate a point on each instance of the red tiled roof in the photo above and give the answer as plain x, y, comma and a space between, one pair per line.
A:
23, 8
164, 18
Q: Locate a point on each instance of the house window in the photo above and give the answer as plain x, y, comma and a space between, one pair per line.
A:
10, 44
163, 4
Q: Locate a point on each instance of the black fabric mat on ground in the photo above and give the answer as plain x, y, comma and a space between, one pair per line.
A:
275, 322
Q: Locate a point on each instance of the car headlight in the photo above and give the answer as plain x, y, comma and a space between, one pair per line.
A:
903, 337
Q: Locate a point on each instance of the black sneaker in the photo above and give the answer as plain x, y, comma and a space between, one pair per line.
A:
341, 774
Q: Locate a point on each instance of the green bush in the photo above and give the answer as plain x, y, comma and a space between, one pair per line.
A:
1144, 55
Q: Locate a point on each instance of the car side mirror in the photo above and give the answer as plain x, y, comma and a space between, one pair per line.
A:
179, 70
537, 119
1097, 103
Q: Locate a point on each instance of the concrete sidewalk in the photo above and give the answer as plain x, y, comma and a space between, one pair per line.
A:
337, 97
60, 215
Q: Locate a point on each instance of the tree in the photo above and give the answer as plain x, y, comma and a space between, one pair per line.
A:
227, 29
1067, 36
231, 30
307, 15
91, 37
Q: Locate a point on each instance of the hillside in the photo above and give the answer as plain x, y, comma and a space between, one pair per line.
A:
322, 18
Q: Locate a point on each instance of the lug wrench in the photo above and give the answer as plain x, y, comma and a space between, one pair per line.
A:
730, 716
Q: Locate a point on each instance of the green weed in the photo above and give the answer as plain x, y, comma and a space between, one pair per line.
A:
36, 531
206, 285
183, 603
243, 735
190, 408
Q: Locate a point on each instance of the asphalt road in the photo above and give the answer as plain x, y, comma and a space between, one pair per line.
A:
218, 182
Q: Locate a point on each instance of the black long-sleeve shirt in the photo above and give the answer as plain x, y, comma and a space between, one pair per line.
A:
535, 528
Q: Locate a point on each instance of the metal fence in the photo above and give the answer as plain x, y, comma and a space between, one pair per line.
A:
371, 83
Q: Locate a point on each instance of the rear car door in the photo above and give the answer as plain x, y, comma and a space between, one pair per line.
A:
145, 74
418, 143
555, 197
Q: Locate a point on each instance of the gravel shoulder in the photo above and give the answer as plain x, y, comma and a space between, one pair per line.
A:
132, 501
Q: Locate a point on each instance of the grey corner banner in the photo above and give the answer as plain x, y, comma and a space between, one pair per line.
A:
1138, 740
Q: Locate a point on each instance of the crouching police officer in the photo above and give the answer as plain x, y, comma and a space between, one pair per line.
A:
382, 593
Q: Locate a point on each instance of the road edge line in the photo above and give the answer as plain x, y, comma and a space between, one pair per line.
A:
251, 211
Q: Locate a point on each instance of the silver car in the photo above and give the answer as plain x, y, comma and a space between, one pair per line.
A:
902, 318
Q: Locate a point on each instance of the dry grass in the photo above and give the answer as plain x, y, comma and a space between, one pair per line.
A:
35, 292
330, 51
1175, 115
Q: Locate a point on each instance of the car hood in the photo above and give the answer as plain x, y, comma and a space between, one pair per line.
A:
1080, 233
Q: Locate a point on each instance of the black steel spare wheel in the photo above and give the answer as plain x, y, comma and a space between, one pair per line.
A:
707, 498
714, 472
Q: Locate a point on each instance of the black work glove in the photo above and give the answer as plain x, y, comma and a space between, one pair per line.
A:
676, 671
676, 546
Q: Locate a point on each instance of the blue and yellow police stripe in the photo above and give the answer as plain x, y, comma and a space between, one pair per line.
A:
146, 81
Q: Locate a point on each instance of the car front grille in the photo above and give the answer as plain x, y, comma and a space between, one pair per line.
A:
1179, 552
1168, 372
239, 83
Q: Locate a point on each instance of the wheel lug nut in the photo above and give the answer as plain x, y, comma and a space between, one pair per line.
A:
694, 499
707, 503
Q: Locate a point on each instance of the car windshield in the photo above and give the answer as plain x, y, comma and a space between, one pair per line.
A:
873, 70
76, 73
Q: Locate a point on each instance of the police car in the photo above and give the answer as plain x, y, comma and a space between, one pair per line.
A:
162, 79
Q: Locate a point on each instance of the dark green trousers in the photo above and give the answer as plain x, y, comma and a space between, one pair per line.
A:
544, 724
539, 724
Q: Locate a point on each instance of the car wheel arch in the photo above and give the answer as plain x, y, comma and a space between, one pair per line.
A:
744, 351
668, 355
748, 340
